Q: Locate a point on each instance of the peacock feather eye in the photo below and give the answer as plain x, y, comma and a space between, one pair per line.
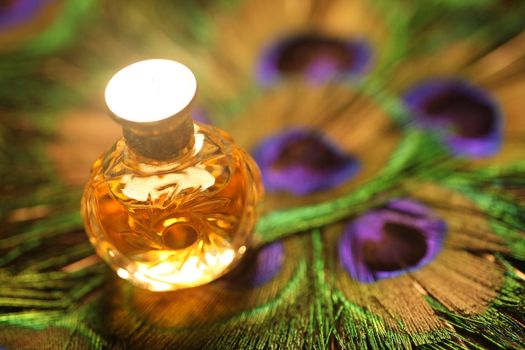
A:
39, 25
200, 115
467, 116
260, 267
317, 58
15, 12
390, 241
302, 161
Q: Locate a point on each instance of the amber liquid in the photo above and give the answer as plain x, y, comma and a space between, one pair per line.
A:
175, 224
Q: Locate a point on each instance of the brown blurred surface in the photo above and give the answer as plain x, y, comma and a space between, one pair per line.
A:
81, 137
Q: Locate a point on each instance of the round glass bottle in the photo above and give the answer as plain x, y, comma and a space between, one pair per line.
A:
173, 203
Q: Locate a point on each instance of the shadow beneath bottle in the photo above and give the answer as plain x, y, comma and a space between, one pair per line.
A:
258, 279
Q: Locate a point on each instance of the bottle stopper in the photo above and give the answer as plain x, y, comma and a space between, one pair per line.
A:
152, 101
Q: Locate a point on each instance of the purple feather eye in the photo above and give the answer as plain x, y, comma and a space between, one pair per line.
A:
258, 267
15, 12
316, 57
200, 115
302, 161
467, 115
387, 242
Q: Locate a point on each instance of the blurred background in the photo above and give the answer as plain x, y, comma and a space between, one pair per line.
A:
391, 139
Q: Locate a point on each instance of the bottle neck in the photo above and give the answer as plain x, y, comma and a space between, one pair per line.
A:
161, 145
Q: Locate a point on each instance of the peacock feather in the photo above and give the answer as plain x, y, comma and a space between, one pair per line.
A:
391, 143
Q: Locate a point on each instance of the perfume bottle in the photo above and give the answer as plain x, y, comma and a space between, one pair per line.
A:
172, 204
